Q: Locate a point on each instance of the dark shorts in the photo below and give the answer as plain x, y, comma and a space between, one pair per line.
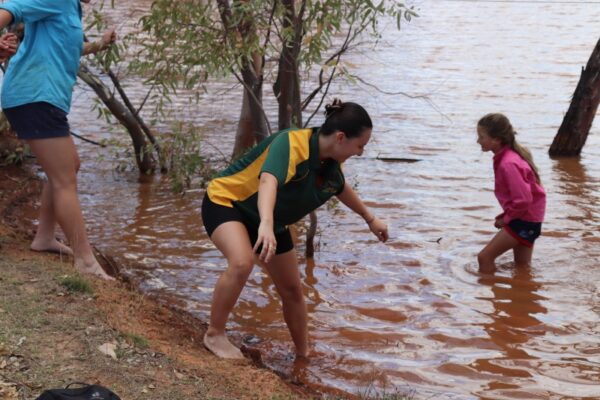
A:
38, 120
214, 215
524, 231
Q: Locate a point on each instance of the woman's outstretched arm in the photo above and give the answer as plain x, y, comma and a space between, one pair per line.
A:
353, 202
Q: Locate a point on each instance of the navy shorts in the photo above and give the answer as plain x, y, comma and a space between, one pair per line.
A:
524, 231
38, 120
214, 215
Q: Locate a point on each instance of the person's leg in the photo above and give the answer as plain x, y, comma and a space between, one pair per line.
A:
283, 269
45, 239
58, 159
523, 256
499, 244
231, 238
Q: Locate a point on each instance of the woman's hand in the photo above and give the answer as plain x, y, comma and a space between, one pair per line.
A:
266, 237
109, 37
8, 45
499, 223
379, 229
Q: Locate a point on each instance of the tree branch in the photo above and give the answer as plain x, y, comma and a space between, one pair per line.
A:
257, 101
423, 97
338, 55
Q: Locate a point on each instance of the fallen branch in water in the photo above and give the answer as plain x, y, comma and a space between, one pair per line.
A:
397, 159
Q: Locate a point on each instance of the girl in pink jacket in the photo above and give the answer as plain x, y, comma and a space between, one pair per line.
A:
517, 188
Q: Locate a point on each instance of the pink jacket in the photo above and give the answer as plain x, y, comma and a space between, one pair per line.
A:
516, 188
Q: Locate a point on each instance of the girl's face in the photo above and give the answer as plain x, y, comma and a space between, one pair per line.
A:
347, 147
486, 142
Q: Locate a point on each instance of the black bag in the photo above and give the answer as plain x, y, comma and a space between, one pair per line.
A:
86, 392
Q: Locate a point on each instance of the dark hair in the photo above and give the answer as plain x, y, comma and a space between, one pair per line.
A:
498, 126
350, 118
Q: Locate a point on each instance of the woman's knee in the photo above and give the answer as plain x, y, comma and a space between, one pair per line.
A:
240, 267
292, 293
65, 180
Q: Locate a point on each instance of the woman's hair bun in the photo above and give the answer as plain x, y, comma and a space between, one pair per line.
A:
336, 105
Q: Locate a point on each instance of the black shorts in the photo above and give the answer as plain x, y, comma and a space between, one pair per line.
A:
524, 231
214, 215
38, 120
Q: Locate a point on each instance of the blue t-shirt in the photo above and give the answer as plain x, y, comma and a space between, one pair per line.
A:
47, 61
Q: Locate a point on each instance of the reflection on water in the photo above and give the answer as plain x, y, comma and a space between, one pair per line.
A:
513, 322
575, 183
411, 313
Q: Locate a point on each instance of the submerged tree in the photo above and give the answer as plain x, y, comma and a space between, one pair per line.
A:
574, 130
143, 157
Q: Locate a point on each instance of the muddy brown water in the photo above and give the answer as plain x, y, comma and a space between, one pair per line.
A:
412, 313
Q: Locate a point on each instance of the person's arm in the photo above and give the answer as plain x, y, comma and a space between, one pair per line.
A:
349, 198
8, 41
278, 168
107, 39
30, 11
267, 194
6, 19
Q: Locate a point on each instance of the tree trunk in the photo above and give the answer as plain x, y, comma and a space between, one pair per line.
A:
244, 137
576, 124
144, 159
287, 91
149, 134
287, 84
252, 126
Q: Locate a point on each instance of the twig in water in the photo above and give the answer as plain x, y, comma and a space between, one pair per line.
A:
87, 140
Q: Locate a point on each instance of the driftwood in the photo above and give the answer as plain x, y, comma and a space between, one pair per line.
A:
397, 159
574, 130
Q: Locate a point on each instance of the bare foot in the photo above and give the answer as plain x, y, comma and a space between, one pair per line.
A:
51, 246
220, 346
92, 269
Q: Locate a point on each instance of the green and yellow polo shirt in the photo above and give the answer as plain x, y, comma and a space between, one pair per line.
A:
304, 183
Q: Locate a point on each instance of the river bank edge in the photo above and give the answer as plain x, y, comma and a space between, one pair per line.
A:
51, 334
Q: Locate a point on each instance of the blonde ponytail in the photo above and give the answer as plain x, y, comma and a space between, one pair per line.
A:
526, 155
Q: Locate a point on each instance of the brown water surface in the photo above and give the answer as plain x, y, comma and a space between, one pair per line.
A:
412, 313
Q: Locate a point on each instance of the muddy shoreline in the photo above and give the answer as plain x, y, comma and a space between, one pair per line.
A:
169, 331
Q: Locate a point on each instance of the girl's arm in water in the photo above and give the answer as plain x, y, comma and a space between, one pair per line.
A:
353, 202
267, 194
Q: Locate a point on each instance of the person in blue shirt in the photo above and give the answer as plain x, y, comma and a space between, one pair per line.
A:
36, 98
